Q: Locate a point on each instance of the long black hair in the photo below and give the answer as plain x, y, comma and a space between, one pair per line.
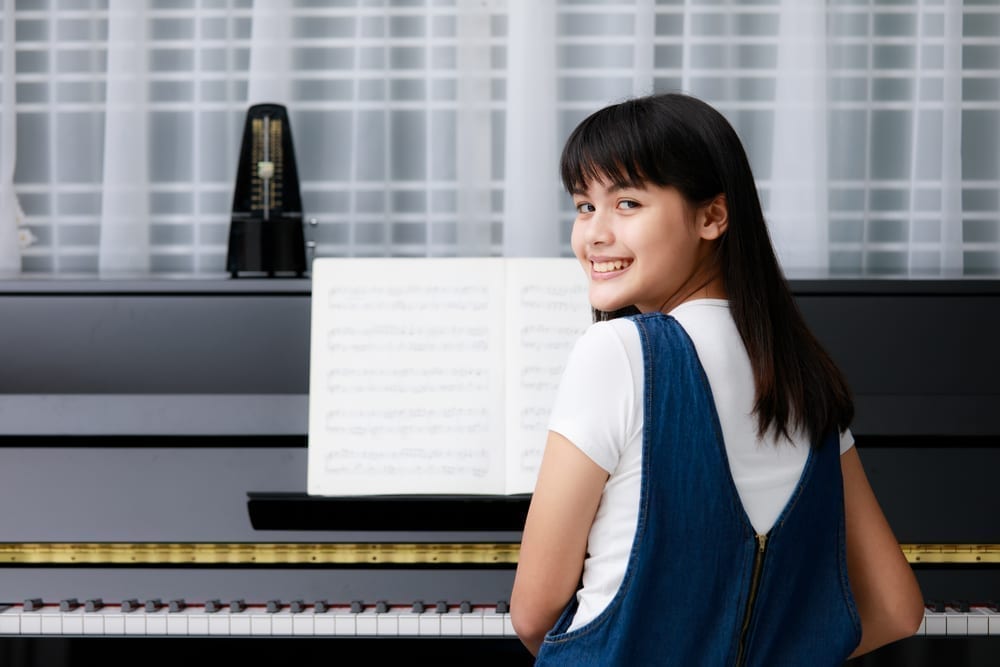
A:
678, 141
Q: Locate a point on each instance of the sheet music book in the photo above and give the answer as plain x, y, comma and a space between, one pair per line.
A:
437, 375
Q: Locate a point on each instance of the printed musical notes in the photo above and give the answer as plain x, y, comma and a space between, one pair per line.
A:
436, 375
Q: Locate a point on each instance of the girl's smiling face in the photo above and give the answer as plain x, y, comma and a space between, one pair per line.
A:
644, 245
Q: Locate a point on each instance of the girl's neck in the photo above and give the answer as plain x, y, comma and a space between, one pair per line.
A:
705, 283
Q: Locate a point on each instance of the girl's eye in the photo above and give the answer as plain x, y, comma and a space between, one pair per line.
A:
584, 207
628, 203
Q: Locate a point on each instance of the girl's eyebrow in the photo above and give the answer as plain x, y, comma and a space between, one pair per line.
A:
614, 188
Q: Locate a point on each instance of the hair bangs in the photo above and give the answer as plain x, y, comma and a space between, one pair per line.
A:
604, 147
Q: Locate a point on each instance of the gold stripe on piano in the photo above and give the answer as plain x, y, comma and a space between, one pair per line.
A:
365, 553
161, 553
952, 553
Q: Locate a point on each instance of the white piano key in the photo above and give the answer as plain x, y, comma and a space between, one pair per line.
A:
281, 623
387, 624
93, 622
956, 623
197, 621
31, 622
51, 622
345, 623
177, 623
367, 623
72, 622
324, 625
492, 623
922, 630
429, 624
409, 623
114, 621
260, 624
451, 623
10, 621
156, 622
239, 624
935, 623
508, 627
472, 623
218, 623
304, 624
994, 624
979, 621
135, 623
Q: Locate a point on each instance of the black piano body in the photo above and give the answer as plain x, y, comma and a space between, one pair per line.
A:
143, 413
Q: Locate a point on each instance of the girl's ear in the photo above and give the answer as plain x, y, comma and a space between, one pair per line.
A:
713, 218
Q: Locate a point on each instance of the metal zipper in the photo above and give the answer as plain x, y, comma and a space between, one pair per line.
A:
758, 565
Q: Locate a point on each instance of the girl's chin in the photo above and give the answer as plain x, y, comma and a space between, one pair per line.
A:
608, 305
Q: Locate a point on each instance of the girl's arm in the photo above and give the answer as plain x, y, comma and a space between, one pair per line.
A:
885, 589
554, 542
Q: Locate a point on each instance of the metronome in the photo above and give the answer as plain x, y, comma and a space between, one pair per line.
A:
265, 232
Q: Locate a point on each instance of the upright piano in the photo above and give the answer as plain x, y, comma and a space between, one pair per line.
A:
153, 473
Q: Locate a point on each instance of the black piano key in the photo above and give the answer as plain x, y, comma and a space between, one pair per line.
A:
33, 604
465, 607
69, 604
503, 607
993, 605
936, 606
441, 607
321, 607
419, 607
274, 606
177, 605
381, 607
961, 605
237, 606
130, 605
357, 606
297, 606
93, 604
212, 606
154, 605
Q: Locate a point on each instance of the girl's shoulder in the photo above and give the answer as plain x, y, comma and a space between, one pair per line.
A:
619, 335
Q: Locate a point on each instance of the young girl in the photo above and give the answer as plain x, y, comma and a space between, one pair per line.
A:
699, 472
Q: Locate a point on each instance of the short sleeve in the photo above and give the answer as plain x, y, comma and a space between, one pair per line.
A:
846, 440
595, 404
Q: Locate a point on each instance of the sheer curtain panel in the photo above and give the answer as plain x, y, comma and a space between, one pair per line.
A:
433, 127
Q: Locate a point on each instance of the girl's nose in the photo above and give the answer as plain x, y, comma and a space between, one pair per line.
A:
599, 230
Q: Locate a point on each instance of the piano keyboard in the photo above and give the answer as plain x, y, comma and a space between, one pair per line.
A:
129, 618
960, 620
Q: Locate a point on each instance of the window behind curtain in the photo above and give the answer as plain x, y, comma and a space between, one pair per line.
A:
384, 81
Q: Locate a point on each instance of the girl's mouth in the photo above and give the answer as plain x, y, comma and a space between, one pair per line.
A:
611, 265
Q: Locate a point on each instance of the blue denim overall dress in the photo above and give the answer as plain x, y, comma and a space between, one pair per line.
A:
700, 587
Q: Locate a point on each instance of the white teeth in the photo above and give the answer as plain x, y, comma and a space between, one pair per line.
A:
613, 265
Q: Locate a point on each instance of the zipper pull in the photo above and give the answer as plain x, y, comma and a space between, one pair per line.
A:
761, 542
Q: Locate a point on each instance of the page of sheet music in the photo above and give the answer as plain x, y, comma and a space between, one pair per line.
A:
547, 311
404, 392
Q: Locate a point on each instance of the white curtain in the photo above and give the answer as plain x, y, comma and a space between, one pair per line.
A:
434, 128
10, 254
798, 213
124, 227
531, 207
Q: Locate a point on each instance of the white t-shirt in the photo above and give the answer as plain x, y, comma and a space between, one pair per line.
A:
599, 409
